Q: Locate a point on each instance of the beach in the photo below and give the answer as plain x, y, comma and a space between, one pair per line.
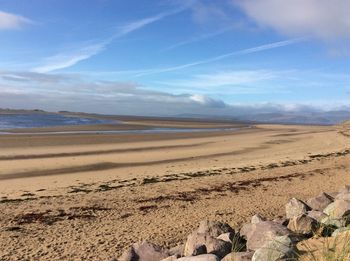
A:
74, 196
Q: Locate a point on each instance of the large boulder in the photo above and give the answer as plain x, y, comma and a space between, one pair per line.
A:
238, 256
214, 228
213, 245
339, 209
206, 257
144, 251
263, 232
281, 248
296, 207
302, 225
320, 202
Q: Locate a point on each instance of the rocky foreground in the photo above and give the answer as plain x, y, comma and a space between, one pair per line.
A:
318, 229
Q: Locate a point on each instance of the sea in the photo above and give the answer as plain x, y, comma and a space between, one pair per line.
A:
15, 121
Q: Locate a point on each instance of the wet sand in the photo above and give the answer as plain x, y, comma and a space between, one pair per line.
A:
73, 197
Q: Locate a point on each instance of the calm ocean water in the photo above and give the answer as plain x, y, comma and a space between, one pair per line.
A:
12, 121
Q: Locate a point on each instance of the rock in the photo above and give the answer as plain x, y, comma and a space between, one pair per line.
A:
328, 221
214, 228
341, 230
320, 202
344, 190
257, 218
281, 221
302, 224
296, 207
228, 237
263, 232
338, 209
170, 258
144, 251
177, 250
213, 245
207, 257
238, 256
199, 250
316, 214
343, 196
278, 249
245, 230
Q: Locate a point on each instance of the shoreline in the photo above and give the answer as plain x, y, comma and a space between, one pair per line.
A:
161, 185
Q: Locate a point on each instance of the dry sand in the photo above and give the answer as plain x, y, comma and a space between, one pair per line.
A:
87, 197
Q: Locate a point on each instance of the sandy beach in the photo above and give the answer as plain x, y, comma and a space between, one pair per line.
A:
88, 196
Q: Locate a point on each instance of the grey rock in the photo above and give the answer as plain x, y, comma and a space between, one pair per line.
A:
296, 207
207, 257
263, 232
278, 249
144, 251
238, 256
257, 218
302, 224
214, 228
320, 202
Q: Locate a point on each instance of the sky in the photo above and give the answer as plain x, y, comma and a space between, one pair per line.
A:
175, 57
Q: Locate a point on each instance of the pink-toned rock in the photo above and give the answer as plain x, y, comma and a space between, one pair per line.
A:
320, 202
214, 228
144, 251
338, 209
238, 256
207, 257
245, 230
316, 214
257, 218
296, 207
228, 237
302, 225
263, 232
213, 245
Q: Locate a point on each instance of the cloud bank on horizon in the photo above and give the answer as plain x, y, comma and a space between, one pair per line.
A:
232, 58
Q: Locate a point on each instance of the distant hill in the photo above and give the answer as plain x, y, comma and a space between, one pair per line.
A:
305, 118
314, 118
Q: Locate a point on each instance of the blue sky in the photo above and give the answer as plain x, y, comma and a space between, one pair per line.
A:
173, 57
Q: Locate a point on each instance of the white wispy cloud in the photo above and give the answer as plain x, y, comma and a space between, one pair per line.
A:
12, 21
255, 49
198, 38
320, 18
226, 78
65, 60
